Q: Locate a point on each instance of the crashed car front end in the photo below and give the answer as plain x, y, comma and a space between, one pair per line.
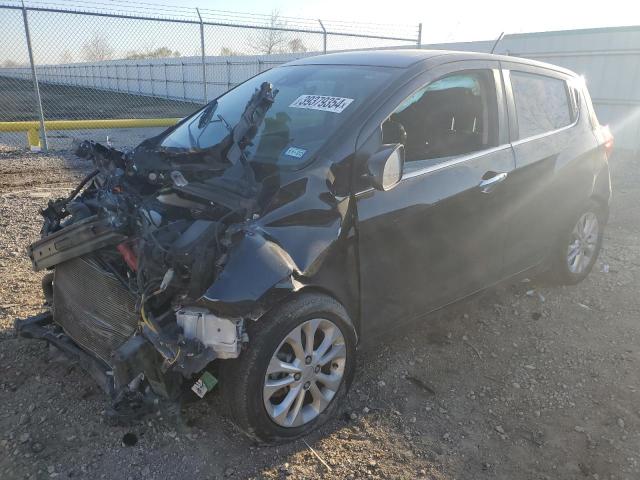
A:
131, 252
165, 258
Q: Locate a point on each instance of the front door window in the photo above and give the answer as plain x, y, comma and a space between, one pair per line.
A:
454, 115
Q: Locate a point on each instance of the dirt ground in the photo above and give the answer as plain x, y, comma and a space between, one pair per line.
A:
530, 381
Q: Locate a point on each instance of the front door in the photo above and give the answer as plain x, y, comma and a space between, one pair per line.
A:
438, 235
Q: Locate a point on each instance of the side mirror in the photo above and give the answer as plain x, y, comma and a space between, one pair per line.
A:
385, 166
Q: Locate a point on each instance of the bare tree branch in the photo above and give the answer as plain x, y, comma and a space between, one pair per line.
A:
97, 49
272, 40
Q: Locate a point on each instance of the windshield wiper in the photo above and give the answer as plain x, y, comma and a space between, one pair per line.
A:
242, 134
252, 117
207, 114
239, 177
226, 124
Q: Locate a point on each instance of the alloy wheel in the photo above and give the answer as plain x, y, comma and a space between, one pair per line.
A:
583, 244
305, 373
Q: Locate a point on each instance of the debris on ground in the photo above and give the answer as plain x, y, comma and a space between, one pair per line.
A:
575, 360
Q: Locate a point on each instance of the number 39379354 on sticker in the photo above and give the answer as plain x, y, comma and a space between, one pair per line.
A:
322, 102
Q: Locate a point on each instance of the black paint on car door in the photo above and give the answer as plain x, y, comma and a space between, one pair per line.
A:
553, 144
438, 235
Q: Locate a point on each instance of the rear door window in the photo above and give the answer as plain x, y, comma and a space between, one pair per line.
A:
542, 103
454, 115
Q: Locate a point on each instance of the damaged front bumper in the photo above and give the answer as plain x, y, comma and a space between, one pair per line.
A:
158, 258
41, 327
138, 355
128, 259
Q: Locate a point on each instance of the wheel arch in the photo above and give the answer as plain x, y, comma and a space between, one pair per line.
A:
312, 290
260, 275
601, 191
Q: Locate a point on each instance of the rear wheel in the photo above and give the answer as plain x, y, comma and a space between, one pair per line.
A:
295, 372
578, 247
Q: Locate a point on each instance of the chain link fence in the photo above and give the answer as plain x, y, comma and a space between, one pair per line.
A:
143, 66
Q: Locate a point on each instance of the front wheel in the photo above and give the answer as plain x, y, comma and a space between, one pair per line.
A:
578, 247
295, 372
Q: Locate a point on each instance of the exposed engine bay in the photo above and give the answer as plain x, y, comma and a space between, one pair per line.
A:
134, 247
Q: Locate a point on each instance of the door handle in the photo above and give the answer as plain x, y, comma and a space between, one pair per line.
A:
487, 185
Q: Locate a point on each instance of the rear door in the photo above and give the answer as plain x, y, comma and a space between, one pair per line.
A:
550, 144
438, 235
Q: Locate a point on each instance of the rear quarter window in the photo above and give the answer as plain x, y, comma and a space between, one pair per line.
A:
542, 103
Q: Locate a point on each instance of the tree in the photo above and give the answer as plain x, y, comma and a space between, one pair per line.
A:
66, 57
296, 45
271, 40
161, 52
10, 64
229, 52
97, 49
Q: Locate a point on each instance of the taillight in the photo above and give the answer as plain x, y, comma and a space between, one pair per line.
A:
608, 140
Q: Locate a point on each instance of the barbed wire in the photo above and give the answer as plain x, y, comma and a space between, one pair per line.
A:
209, 15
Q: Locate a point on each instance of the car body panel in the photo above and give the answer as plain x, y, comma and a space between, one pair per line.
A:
307, 242
387, 256
433, 239
553, 178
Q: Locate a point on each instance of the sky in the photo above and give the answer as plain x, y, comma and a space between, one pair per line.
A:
457, 20
444, 21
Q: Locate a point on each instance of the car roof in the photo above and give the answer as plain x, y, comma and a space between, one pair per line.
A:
374, 58
405, 58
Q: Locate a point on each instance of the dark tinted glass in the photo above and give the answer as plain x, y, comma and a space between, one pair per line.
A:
454, 115
312, 103
541, 102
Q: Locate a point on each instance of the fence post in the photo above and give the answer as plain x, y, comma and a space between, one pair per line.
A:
184, 85
204, 65
324, 36
166, 81
43, 133
151, 78
420, 35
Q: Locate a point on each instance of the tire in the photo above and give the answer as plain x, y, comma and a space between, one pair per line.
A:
566, 271
245, 385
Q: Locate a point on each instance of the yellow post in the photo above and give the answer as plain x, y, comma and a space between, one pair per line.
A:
33, 139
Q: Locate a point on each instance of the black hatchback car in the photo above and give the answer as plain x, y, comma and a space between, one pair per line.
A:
308, 210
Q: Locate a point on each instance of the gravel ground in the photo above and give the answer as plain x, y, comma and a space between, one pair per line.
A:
529, 381
59, 140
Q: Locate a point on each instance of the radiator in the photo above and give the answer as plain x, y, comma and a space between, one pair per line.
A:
93, 307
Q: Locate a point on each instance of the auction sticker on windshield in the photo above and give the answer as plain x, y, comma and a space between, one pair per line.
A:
322, 102
295, 152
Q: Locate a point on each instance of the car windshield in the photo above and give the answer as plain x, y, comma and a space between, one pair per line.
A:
312, 103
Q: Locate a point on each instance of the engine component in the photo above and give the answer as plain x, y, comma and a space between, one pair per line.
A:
85, 236
59, 209
128, 255
93, 307
187, 248
223, 335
